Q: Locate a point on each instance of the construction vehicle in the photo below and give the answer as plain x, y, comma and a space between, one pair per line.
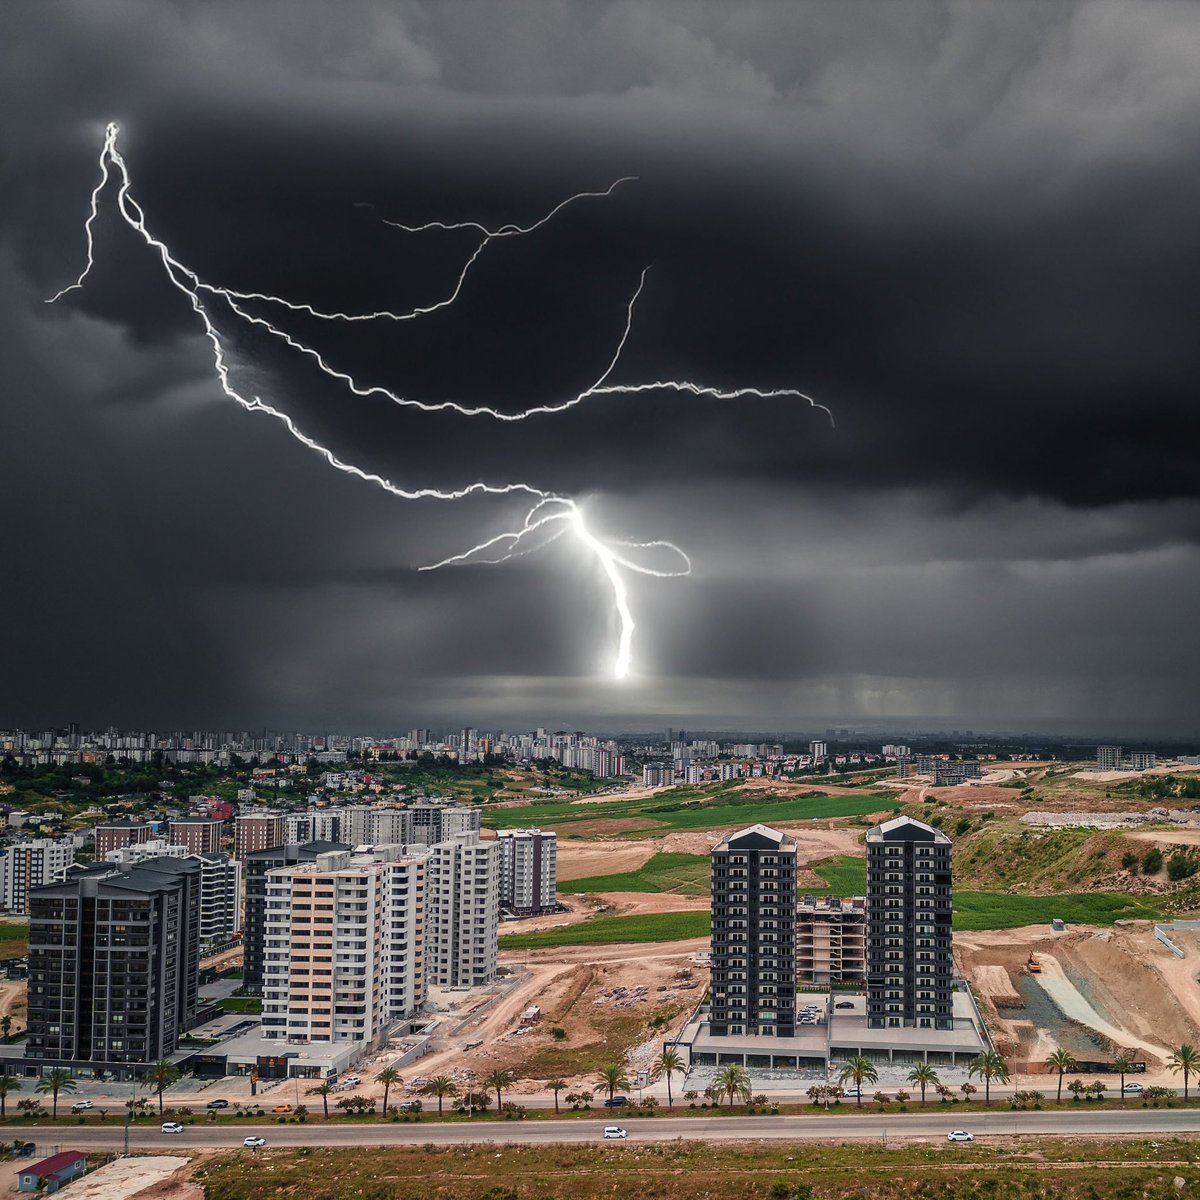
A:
1033, 966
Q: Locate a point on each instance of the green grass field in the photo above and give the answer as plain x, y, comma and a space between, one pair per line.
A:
998, 910
608, 931
683, 874
690, 809
240, 1004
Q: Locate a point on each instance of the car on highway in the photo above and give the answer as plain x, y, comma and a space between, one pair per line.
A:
254, 1142
852, 1093
614, 1131
616, 1102
282, 1108
82, 1106
959, 1135
1134, 1089
172, 1127
217, 1104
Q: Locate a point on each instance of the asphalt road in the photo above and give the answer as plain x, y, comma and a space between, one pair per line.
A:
842, 1127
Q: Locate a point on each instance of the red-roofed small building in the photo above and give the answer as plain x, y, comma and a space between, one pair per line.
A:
53, 1172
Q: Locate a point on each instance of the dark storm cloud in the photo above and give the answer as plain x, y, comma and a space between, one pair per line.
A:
970, 229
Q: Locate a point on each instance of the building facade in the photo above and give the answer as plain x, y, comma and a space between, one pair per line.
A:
831, 941
528, 871
910, 955
116, 835
114, 963
256, 831
754, 934
201, 835
462, 911
28, 865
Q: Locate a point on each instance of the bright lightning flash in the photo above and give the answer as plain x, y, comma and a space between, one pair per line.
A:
551, 516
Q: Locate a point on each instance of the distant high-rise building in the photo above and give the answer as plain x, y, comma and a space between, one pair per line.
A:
463, 911
115, 835
201, 835
1142, 760
910, 956
1108, 758
316, 825
754, 934
528, 871
114, 964
818, 750
256, 831
28, 865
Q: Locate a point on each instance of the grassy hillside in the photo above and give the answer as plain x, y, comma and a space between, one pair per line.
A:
611, 931
682, 874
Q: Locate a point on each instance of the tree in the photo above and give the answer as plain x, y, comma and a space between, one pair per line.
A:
499, 1080
160, 1077
733, 1080
1122, 1064
556, 1086
55, 1080
1061, 1061
1187, 1060
613, 1077
670, 1061
1152, 861
860, 1069
442, 1086
389, 1077
988, 1066
923, 1075
6, 1025
324, 1089
8, 1083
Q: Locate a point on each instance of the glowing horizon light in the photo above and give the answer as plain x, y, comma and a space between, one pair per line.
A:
551, 511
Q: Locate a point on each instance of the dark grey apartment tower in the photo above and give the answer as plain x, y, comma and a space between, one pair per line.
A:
255, 867
910, 954
754, 934
114, 964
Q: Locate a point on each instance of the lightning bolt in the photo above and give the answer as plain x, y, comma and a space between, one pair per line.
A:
551, 515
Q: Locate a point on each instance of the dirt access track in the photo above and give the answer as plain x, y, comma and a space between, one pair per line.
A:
1118, 989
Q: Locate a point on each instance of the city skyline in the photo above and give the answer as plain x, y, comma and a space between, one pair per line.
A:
968, 232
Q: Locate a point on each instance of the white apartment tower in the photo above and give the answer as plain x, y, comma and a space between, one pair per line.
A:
343, 946
31, 864
463, 911
528, 871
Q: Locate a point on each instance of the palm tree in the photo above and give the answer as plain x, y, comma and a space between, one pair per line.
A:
860, 1069
6, 1025
324, 1089
55, 1080
670, 1061
923, 1075
1187, 1060
613, 1077
160, 1077
389, 1076
442, 1086
1122, 1064
733, 1080
988, 1066
499, 1080
1061, 1061
556, 1086
8, 1083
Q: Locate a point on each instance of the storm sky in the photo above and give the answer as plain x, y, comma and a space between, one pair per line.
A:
972, 230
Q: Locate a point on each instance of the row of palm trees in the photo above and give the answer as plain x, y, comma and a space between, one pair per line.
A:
59, 1080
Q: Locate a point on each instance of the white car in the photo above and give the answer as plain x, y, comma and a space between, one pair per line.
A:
959, 1135
82, 1106
254, 1142
352, 1080
172, 1127
614, 1131
1133, 1088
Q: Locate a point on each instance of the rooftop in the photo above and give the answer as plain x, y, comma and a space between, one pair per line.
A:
906, 829
757, 837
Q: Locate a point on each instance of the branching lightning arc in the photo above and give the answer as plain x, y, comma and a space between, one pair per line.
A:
551, 514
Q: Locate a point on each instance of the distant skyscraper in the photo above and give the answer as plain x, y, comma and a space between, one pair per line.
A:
201, 835
910, 955
115, 835
528, 871
463, 911
257, 831
754, 934
1108, 758
818, 749
28, 865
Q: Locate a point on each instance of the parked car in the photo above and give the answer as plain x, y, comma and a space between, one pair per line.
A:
82, 1106
217, 1104
616, 1102
959, 1135
254, 1142
282, 1108
172, 1127
614, 1131
844, 1004
352, 1080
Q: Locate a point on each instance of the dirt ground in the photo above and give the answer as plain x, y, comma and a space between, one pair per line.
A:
152, 1177
13, 997
1120, 985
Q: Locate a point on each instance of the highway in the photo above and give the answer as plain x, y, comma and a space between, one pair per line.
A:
842, 1127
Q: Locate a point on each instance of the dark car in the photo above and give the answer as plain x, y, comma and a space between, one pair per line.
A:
217, 1104
616, 1102
844, 1004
